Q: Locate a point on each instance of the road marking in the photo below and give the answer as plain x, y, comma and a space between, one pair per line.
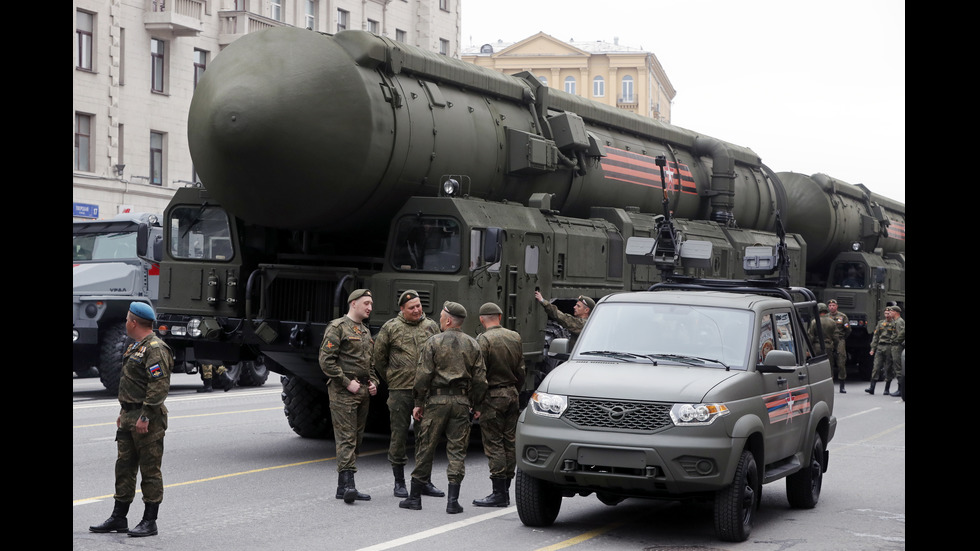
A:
584, 537
439, 530
853, 415
171, 399
172, 417
87, 500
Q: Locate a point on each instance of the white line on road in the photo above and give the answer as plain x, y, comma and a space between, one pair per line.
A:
439, 530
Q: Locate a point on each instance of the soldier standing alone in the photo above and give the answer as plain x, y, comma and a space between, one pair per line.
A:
451, 378
396, 357
142, 422
503, 354
345, 357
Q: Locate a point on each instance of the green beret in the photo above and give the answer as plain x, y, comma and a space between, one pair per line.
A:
358, 293
142, 310
454, 309
586, 301
490, 309
897, 309
408, 295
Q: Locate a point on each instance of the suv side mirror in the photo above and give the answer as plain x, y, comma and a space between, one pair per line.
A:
559, 349
778, 361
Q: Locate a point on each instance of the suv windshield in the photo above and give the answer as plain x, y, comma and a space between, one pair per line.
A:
104, 246
668, 333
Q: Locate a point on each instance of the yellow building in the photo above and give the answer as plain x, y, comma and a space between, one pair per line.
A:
610, 73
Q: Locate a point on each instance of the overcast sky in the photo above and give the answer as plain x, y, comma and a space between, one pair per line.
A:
810, 86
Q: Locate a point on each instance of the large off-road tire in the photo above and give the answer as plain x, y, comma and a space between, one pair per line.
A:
307, 410
113, 342
538, 502
803, 486
736, 505
253, 373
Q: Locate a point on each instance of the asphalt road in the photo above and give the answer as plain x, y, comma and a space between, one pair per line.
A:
238, 478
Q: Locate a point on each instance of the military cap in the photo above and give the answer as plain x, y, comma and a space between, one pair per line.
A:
358, 293
897, 309
823, 307
489, 309
142, 310
586, 301
832, 301
406, 296
454, 309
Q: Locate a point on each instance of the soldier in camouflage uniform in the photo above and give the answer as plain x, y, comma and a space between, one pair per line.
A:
345, 358
451, 379
142, 422
574, 323
886, 347
843, 331
503, 354
396, 356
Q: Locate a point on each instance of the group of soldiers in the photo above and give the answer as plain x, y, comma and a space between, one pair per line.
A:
886, 345
437, 375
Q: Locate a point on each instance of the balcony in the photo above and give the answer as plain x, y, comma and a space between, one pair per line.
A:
631, 103
234, 24
179, 17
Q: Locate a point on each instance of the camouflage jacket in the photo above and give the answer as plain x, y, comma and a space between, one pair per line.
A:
345, 352
450, 362
568, 321
145, 379
889, 332
503, 354
396, 350
843, 324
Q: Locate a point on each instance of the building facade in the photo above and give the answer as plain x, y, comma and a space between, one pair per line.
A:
136, 63
607, 72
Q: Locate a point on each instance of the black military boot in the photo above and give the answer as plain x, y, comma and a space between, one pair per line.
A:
147, 526
399, 472
226, 381
341, 484
414, 500
208, 387
351, 494
887, 384
871, 389
500, 496
452, 502
842, 391
430, 490
116, 522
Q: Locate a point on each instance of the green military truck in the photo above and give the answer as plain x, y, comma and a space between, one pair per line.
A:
696, 390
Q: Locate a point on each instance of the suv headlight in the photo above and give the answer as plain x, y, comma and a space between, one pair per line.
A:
697, 414
548, 405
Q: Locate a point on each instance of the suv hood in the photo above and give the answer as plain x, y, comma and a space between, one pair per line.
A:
635, 381
104, 278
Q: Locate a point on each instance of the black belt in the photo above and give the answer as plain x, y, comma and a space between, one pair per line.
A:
449, 391
129, 406
495, 387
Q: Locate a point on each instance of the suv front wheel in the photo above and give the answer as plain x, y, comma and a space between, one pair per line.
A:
736, 504
538, 502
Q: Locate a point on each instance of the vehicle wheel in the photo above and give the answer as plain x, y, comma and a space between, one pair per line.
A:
803, 486
736, 504
538, 502
113, 343
307, 411
253, 373
609, 499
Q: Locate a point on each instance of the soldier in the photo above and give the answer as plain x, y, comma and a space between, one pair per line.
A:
396, 356
141, 424
207, 376
886, 347
451, 378
843, 330
503, 354
574, 323
829, 330
345, 357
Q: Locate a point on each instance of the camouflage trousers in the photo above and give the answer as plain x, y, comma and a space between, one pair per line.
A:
139, 453
400, 405
349, 415
839, 355
208, 371
498, 426
888, 361
449, 416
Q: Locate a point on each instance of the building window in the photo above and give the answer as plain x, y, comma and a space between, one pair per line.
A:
275, 9
627, 89
444, 5
200, 64
401, 35
84, 30
570, 85
443, 46
83, 142
158, 58
310, 17
373, 26
343, 19
156, 158
544, 80
598, 87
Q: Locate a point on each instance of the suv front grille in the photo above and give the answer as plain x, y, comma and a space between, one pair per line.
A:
618, 415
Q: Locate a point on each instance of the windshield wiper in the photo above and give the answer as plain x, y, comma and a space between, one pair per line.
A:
688, 360
624, 356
